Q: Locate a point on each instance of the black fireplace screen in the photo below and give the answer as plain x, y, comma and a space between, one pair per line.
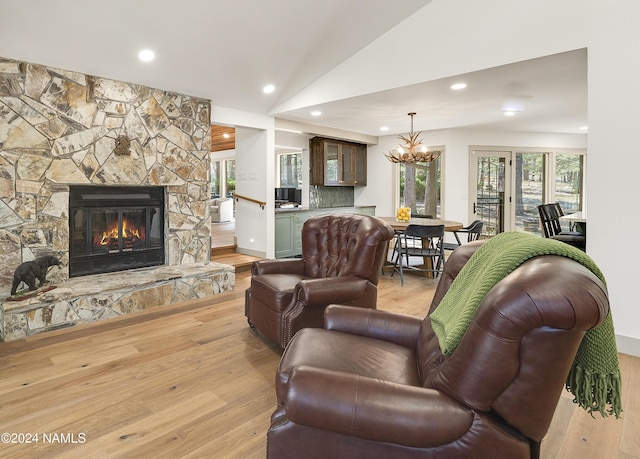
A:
115, 228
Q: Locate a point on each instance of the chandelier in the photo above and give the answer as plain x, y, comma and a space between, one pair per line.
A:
412, 150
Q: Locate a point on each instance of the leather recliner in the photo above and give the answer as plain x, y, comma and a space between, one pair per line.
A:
376, 384
342, 257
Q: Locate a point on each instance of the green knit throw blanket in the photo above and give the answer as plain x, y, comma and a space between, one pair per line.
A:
594, 379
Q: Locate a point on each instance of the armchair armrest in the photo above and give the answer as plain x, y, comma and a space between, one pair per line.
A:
397, 328
374, 410
280, 266
327, 290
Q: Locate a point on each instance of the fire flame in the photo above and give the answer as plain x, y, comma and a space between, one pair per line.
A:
130, 234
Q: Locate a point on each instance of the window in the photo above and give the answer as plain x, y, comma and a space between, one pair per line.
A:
215, 179
420, 188
223, 177
568, 183
529, 190
290, 170
532, 185
230, 176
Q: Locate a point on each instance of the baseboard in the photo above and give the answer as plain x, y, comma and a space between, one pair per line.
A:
253, 253
628, 345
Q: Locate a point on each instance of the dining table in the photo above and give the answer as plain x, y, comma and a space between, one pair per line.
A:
577, 221
401, 225
449, 225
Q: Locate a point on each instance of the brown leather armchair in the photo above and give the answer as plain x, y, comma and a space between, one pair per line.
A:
342, 257
375, 384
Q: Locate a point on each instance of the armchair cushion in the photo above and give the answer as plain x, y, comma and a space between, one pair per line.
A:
276, 290
374, 408
363, 356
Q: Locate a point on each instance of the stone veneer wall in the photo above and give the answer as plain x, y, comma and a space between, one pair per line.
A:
59, 128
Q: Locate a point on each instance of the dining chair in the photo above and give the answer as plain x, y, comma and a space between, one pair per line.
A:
472, 230
416, 241
557, 212
550, 221
431, 250
395, 251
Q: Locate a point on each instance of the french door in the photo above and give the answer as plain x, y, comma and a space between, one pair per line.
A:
490, 190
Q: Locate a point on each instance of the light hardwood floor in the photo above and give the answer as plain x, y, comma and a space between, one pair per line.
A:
223, 234
193, 381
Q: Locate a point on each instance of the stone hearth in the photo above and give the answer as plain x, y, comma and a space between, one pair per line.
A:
102, 296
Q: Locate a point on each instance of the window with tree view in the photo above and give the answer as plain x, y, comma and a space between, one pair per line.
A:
568, 185
223, 178
420, 188
290, 170
230, 177
532, 187
529, 190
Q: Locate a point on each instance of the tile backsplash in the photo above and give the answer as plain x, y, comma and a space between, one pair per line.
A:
330, 196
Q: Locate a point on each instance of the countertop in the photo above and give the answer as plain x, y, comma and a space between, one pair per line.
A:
299, 209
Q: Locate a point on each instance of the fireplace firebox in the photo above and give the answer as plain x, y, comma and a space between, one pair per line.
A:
115, 228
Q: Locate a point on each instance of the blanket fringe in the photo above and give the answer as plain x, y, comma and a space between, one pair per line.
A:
595, 392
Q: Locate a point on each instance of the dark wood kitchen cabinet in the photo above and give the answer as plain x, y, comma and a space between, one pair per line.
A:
337, 163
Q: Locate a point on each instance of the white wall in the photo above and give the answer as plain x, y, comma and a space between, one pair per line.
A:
614, 158
255, 178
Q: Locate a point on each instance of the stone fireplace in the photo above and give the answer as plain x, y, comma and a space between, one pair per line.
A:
63, 134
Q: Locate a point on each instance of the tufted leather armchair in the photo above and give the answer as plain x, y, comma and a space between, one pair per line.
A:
375, 384
342, 257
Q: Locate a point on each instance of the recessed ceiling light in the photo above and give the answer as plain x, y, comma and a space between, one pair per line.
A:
509, 113
146, 55
268, 89
316, 113
226, 135
584, 128
384, 128
458, 86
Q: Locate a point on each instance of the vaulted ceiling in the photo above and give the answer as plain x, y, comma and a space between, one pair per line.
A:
227, 51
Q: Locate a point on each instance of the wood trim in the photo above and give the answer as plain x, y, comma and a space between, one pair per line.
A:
219, 142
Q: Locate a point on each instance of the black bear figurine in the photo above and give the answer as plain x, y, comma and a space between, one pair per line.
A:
29, 271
